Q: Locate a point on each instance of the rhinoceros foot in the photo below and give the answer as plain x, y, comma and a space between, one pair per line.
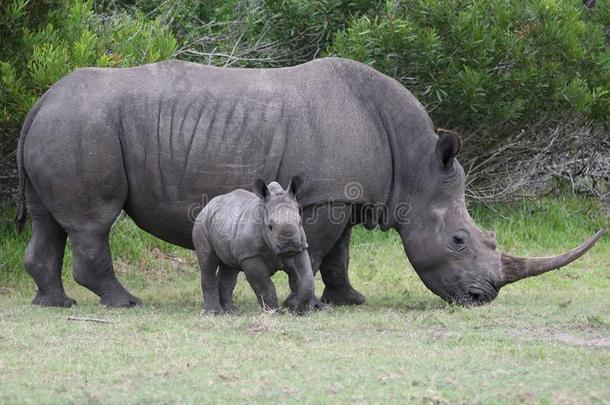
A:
55, 299
347, 296
120, 299
228, 309
315, 304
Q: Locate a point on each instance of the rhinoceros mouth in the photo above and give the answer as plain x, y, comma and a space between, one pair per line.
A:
477, 294
288, 251
482, 293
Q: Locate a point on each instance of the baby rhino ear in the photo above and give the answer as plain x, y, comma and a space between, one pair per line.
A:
259, 187
295, 184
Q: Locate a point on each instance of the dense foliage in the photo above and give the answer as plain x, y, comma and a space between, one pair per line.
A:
490, 67
46, 42
482, 62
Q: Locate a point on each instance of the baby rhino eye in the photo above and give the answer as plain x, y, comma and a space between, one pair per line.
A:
270, 227
458, 240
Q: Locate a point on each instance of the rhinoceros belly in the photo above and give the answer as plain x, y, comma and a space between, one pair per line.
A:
181, 152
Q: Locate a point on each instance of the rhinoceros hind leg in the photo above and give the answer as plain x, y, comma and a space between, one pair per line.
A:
93, 268
333, 268
208, 264
227, 278
53, 300
44, 258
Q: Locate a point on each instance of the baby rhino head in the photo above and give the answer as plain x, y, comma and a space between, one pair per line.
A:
281, 219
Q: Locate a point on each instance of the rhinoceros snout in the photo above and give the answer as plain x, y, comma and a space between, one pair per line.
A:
288, 247
481, 294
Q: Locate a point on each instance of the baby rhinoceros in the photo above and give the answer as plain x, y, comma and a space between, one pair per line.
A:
258, 233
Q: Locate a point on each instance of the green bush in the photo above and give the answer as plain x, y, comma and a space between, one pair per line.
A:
46, 43
479, 63
307, 28
474, 64
254, 33
488, 68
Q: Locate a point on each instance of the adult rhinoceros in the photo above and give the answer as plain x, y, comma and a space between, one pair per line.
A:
152, 140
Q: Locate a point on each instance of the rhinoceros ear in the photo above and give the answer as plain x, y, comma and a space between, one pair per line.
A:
448, 147
259, 187
295, 185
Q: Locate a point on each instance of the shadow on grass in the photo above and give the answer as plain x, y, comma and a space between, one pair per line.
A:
406, 303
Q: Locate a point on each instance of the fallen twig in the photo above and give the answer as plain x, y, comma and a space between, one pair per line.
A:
85, 319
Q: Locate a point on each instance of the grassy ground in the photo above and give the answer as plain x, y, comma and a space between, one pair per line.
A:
545, 339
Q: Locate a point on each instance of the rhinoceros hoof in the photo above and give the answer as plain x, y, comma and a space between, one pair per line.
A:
120, 300
314, 305
212, 310
343, 297
319, 305
291, 302
58, 299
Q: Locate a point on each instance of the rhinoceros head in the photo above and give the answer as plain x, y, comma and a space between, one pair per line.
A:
455, 259
283, 229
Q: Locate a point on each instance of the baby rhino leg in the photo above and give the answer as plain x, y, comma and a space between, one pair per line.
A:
292, 301
257, 274
227, 278
208, 262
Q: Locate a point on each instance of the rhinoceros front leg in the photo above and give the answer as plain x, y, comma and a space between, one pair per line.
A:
292, 301
299, 267
324, 226
338, 290
257, 274
328, 234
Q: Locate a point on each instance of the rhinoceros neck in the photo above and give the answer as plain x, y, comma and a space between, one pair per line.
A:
412, 140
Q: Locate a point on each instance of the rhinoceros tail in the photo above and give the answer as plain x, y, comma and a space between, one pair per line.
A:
21, 207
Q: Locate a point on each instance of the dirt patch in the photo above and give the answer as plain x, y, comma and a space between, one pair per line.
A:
169, 261
600, 342
162, 264
257, 327
6, 291
590, 340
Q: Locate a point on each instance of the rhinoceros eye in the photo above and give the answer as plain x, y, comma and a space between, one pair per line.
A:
458, 243
458, 240
270, 227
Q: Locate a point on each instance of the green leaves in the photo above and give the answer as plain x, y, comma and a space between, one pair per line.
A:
48, 64
84, 49
490, 62
66, 35
133, 40
484, 63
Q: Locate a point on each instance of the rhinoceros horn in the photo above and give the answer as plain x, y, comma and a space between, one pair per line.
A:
518, 268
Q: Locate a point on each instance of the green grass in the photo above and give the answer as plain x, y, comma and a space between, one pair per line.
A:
545, 339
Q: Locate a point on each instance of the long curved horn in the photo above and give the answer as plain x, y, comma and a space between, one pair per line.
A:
517, 268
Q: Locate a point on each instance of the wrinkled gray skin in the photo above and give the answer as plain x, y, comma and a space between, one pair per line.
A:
258, 233
152, 139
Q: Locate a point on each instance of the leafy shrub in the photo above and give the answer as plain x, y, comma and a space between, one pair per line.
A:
510, 74
46, 43
307, 28
250, 33
479, 63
